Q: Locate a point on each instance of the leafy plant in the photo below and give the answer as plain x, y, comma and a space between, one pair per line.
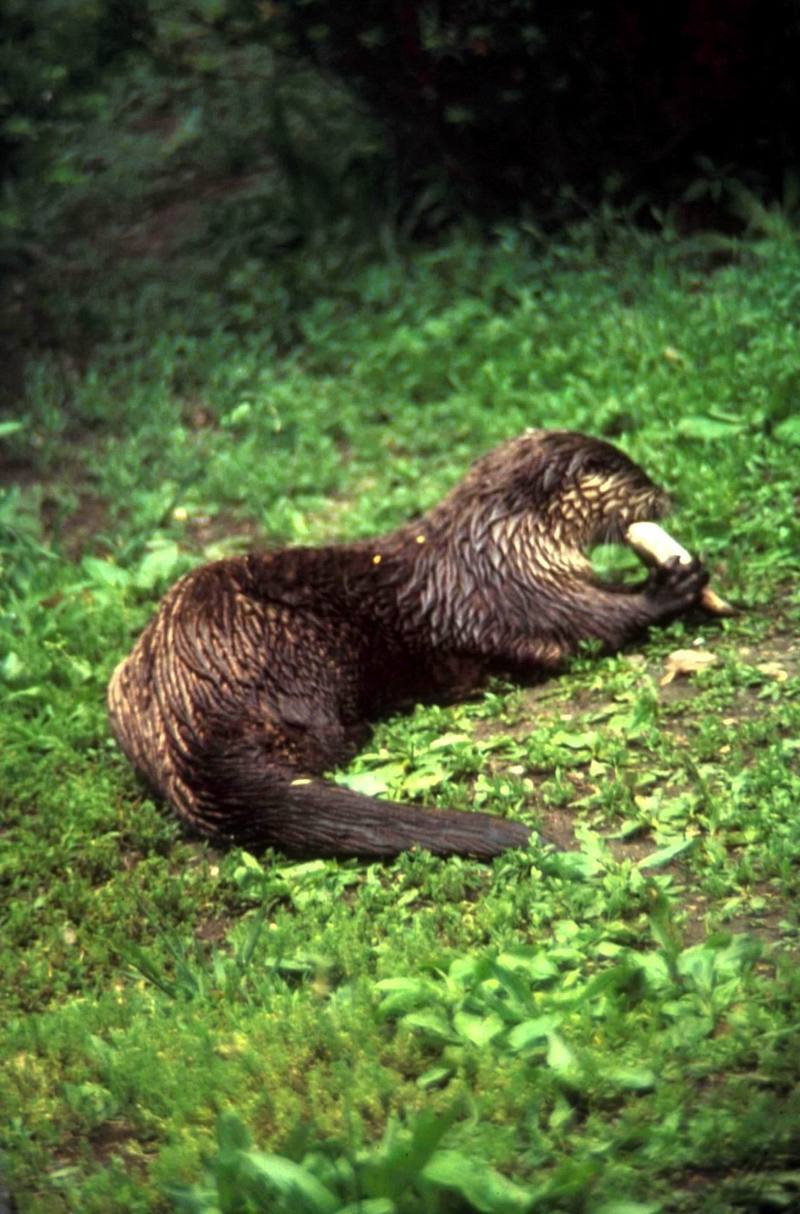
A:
406, 1171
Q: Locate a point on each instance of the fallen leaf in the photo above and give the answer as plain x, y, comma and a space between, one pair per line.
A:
685, 662
774, 670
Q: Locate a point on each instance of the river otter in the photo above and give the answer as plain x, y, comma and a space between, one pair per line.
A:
258, 673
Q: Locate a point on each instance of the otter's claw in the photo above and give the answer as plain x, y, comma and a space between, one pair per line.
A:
656, 546
676, 586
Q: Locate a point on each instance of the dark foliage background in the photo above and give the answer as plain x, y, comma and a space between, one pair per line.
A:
510, 102
237, 132
527, 101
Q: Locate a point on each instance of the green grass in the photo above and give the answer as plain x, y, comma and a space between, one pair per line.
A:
606, 1026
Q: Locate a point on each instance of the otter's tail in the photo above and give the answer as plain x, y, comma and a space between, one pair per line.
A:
329, 820
254, 805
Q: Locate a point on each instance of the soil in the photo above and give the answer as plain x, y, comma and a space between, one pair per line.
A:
777, 656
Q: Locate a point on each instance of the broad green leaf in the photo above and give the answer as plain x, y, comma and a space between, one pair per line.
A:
449, 739
469, 970
367, 782
560, 1057
621, 1206
574, 866
402, 994
194, 1199
575, 741
106, 573
368, 1205
657, 859
532, 1032
434, 1077
11, 667
291, 1180
307, 868
631, 1079
83, 670
432, 1024
405, 1150
698, 964
480, 1030
372, 783
420, 781
709, 428
241, 413
248, 863
486, 1190
654, 967
159, 565
536, 964
788, 431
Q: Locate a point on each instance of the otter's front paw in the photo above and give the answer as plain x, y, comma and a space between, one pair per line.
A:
675, 587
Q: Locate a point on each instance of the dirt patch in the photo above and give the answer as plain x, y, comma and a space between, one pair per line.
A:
81, 526
558, 828
170, 223
79, 531
225, 529
213, 931
766, 664
117, 1140
17, 472
71, 516
776, 657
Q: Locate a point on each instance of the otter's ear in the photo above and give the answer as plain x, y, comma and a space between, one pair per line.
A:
556, 475
551, 476
531, 489
570, 459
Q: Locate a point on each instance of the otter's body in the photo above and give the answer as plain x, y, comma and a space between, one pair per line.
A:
259, 673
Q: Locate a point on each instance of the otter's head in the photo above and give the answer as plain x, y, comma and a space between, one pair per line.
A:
572, 491
589, 491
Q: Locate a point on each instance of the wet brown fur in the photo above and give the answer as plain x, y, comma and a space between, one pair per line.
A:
259, 673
